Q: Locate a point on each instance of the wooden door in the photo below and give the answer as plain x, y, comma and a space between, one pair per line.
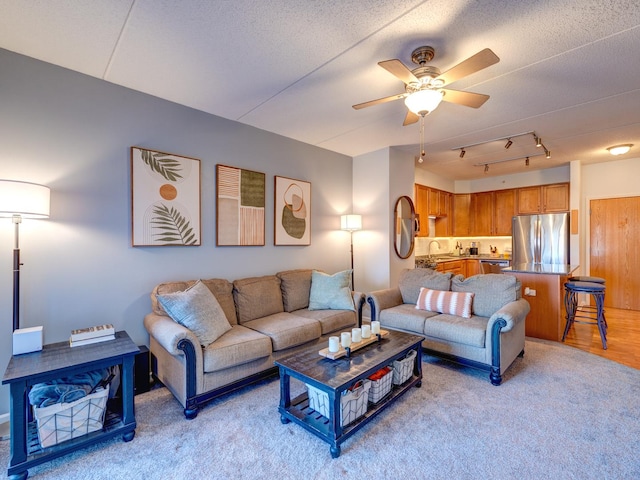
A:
614, 253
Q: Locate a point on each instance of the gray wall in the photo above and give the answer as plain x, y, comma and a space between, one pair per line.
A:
73, 132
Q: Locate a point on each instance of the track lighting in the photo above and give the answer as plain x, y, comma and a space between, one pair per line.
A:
462, 152
526, 162
508, 144
486, 168
547, 153
538, 140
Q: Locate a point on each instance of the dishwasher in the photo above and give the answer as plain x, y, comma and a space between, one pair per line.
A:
493, 265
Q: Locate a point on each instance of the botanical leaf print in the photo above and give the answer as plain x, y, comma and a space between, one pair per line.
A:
173, 226
161, 163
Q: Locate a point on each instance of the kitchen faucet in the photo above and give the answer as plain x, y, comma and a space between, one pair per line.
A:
431, 242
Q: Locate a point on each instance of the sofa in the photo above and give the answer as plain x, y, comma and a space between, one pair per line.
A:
476, 321
250, 323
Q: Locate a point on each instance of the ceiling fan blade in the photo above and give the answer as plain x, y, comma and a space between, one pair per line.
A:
379, 100
399, 70
483, 59
410, 118
468, 99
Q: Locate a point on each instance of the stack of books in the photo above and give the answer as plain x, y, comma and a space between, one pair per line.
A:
98, 333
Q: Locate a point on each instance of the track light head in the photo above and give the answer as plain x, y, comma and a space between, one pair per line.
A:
486, 168
462, 152
526, 162
508, 144
538, 141
547, 153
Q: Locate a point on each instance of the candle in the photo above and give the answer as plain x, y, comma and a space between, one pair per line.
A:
334, 344
375, 327
366, 331
356, 335
345, 338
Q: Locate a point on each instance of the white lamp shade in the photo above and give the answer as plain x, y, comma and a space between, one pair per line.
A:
351, 222
423, 102
29, 200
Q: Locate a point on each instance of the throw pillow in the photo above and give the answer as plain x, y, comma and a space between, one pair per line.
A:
331, 292
453, 303
197, 309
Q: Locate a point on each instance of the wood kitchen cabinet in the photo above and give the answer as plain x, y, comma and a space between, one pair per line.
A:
444, 205
472, 267
433, 202
543, 199
457, 267
504, 208
421, 195
482, 207
461, 214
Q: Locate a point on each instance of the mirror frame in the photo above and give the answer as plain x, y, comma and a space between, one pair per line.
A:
397, 226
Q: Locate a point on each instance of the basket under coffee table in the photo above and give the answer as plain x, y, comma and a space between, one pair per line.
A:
332, 377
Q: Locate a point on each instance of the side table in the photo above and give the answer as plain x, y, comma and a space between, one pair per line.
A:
55, 361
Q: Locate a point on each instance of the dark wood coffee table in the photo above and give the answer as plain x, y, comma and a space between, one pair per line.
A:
335, 376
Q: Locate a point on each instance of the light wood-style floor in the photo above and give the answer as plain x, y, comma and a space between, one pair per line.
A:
623, 337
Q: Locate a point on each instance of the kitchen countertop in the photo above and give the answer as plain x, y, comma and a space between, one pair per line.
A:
447, 258
541, 268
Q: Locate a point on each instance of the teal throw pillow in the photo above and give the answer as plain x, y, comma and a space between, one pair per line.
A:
198, 310
331, 292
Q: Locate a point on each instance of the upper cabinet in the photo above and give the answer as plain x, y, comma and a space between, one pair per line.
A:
504, 208
482, 208
461, 217
543, 199
421, 197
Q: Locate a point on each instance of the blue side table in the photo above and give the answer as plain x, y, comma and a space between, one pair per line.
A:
55, 361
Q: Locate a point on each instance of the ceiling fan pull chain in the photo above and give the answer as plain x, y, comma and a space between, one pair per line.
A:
422, 152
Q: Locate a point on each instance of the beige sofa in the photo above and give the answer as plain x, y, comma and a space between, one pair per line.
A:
269, 318
490, 339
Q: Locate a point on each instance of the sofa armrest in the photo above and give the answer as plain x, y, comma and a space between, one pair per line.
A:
168, 333
382, 299
511, 313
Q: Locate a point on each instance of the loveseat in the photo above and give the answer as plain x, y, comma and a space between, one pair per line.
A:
250, 323
489, 335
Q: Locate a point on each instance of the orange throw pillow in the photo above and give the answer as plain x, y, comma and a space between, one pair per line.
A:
453, 303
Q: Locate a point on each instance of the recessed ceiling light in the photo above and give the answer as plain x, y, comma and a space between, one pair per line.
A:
620, 149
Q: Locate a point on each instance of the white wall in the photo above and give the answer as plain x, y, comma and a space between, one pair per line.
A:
73, 132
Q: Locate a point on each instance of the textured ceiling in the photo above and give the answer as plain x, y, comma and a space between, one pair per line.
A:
568, 70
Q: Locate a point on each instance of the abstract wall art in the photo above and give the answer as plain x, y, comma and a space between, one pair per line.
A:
292, 225
240, 207
165, 199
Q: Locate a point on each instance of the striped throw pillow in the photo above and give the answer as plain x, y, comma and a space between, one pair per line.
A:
453, 303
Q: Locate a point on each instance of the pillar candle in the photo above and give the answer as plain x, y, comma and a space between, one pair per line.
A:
345, 338
334, 344
356, 335
366, 331
375, 327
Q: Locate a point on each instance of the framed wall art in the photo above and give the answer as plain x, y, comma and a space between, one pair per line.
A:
292, 205
165, 199
240, 206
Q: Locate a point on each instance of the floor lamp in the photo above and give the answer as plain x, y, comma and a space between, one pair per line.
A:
20, 200
351, 223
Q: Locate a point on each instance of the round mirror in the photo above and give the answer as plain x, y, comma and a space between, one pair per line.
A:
404, 215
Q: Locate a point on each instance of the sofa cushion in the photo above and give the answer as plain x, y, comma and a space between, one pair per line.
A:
454, 303
451, 328
286, 330
491, 291
221, 289
405, 317
331, 291
331, 320
412, 280
257, 297
197, 309
295, 286
237, 346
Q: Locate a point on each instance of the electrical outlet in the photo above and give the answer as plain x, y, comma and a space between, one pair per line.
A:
530, 292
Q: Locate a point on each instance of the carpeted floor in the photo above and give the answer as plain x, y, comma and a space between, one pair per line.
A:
561, 413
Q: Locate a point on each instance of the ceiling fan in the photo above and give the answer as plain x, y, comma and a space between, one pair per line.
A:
424, 84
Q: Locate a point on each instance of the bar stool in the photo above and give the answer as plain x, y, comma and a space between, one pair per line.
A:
594, 316
590, 308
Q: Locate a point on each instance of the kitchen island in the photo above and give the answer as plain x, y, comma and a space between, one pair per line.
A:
543, 288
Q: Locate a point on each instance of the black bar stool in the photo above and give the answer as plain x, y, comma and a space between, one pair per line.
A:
581, 278
594, 315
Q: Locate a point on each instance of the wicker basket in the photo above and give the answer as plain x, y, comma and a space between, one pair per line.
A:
353, 403
381, 384
403, 368
64, 421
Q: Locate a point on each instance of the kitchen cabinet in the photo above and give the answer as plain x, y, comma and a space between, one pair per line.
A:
444, 222
457, 267
421, 196
433, 202
504, 208
472, 267
543, 199
444, 205
482, 207
461, 214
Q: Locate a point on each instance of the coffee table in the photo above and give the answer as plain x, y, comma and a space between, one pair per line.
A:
335, 376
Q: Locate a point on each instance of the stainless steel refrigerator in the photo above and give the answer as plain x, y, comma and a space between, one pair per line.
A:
540, 239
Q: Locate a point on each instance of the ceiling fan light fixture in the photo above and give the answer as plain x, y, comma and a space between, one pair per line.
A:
423, 102
620, 149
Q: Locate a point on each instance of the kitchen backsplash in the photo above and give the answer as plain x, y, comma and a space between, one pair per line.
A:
448, 244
